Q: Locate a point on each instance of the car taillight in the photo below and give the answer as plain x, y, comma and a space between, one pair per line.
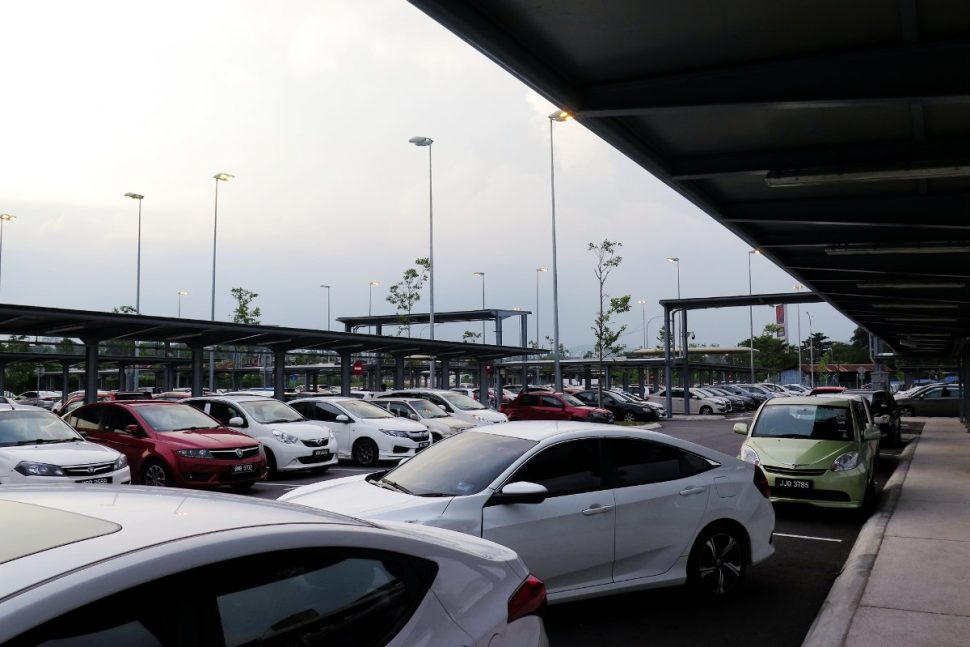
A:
761, 482
528, 600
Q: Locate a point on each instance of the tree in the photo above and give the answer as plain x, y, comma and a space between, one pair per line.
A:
605, 336
469, 336
125, 310
242, 312
405, 294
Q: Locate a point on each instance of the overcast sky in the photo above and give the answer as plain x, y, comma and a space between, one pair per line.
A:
311, 104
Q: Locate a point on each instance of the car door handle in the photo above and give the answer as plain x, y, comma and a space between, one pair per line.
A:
692, 489
596, 508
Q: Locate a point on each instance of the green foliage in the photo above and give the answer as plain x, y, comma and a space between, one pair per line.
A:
407, 292
469, 336
605, 337
125, 310
242, 313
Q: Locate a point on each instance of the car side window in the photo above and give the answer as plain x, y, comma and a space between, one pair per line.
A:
529, 401
932, 394
571, 467
549, 401
86, 419
224, 412
639, 462
117, 419
339, 596
399, 409
324, 411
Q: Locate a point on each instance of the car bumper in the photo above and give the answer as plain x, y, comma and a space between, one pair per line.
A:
117, 477
829, 490
297, 456
208, 473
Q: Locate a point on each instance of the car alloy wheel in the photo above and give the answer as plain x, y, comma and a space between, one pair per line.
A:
905, 412
156, 475
706, 410
365, 452
717, 564
629, 417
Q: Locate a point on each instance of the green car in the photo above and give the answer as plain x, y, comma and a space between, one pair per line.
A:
820, 451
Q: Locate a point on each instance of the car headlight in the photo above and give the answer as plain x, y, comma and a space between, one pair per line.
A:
284, 437
845, 462
480, 418
194, 453
748, 455
38, 469
122, 462
394, 432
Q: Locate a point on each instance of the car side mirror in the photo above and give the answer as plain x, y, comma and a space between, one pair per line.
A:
741, 428
872, 433
342, 418
134, 430
236, 421
414, 417
519, 492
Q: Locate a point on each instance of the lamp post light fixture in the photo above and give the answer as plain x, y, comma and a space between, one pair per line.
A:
218, 177
643, 320
751, 252
370, 293
327, 288
539, 272
427, 141
4, 218
181, 293
136, 196
558, 116
482, 275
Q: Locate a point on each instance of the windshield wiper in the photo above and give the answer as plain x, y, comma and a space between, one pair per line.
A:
391, 485
36, 441
192, 429
272, 422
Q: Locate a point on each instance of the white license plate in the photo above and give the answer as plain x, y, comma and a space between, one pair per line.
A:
321, 452
248, 467
793, 484
102, 480
424, 444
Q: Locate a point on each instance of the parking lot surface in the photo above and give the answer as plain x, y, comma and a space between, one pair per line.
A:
778, 604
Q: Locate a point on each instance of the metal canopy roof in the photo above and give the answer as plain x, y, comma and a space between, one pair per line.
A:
830, 135
103, 326
782, 298
488, 314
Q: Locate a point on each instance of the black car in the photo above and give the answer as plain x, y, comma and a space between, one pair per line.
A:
733, 389
622, 407
738, 402
885, 412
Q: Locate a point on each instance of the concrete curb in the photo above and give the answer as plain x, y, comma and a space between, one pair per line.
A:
680, 416
831, 626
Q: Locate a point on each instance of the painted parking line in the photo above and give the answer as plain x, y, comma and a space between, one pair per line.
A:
782, 534
289, 485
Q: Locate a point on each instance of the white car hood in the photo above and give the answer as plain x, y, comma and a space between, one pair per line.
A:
60, 454
355, 497
395, 424
487, 414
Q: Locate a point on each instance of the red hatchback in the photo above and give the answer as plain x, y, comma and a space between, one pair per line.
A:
169, 443
545, 405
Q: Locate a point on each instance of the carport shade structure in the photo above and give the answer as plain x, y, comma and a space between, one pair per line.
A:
833, 137
94, 327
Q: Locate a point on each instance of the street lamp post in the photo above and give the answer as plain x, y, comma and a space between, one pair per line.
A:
181, 293
327, 287
751, 252
643, 320
370, 294
801, 379
649, 321
4, 218
482, 274
427, 141
218, 177
811, 347
135, 196
673, 324
557, 116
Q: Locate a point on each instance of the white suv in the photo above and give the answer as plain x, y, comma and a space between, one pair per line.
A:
38, 447
458, 405
289, 440
365, 432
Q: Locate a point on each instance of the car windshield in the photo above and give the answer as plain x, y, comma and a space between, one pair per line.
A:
366, 410
34, 428
266, 410
176, 417
458, 466
573, 401
806, 421
460, 401
427, 409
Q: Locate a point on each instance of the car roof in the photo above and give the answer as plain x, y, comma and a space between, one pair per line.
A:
50, 530
830, 399
234, 398
13, 406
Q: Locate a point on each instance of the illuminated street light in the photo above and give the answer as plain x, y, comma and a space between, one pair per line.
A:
181, 293
218, 177
427, 141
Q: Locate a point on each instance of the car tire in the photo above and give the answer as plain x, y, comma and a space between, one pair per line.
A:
718, 562
706, 410
365, 452
905, 412
271, 469
156, 474
242, 487
629, 416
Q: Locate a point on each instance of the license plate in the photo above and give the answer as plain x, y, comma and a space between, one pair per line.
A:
793, 484
321, 452
102, 480
248, 467
423, 445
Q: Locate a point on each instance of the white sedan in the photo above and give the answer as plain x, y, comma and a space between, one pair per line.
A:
591, 509
144, 566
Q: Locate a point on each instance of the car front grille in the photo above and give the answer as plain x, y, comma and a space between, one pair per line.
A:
311, 460
89, 470
316, 442
792, 472
234, 454
418, 435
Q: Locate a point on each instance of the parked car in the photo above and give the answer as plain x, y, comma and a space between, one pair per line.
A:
43, 399
703, 406
472, 392
171, 444
545, 405
734, 389
38, 447
819, 390
739, 402
235, 571
649, 513
885, 412
288, 440
458, 405
660, 410
796, 389
439, 423
76, 399
621, 407
365, 433
777, 389
820, 451
937, 400
728, 400
757, 388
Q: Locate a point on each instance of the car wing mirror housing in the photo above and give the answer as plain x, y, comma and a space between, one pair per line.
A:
236, 421
520, 492
342, 418
134, 430
872, 433
741, 428
414, 417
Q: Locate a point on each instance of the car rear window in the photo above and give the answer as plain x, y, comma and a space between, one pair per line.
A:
808, 421
29, 529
